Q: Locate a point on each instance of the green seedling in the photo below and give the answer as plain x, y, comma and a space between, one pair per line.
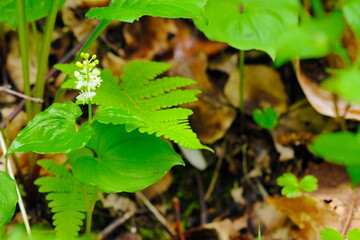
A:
8, 198
292, 187
266, 118
331, 234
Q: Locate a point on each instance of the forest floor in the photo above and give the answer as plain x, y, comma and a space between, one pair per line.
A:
223, 195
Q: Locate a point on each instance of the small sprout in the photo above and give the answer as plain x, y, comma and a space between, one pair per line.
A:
266, 118
292, 187
88, 77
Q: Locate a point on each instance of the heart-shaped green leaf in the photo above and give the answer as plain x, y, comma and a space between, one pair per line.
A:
8, 198
330, 234
351, 11
35, 9
345, 83
126, 161
53, 131
312, 39
249, 24
267, 118
354, 234
308, 183
131, 10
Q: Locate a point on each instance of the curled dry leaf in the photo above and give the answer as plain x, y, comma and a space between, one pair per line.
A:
212, 113
309, 74
263, 88
310, 215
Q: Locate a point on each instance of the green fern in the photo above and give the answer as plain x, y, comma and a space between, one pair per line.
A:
149, 104
66, 196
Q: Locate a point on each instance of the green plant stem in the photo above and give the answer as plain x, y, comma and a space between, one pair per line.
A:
44, 54
36, 38
89, 112
241, 82
341, 51
94, 35
90, 208
318, 8
24, 51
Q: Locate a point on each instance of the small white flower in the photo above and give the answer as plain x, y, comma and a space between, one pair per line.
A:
88, 77
80, 84
86, 97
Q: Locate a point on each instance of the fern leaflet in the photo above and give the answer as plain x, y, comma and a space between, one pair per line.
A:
66, 196
150, 104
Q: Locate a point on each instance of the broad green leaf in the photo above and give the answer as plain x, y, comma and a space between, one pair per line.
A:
341, 148
351, 11
330, 234
35, 10
126, 161
314, 38
354, 234
8, 198
249, 24
308, 183
289, 183
18, 231
267, 118
354, 173
338, 147
52, 131
345, 83
131, 10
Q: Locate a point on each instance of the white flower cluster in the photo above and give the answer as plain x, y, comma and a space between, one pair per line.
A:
88, 77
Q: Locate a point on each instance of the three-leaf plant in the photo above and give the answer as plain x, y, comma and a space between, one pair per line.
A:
292, 187
267, 118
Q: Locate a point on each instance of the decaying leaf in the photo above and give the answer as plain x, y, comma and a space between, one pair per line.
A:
310, 215
263, 88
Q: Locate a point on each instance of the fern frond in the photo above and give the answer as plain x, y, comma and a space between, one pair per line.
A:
66, 199
150, 104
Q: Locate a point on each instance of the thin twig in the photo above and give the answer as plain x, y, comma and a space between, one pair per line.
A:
104, 233
156, 212
203, 208
178, 218
351, 212
11, 174
15, 93
214, 177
